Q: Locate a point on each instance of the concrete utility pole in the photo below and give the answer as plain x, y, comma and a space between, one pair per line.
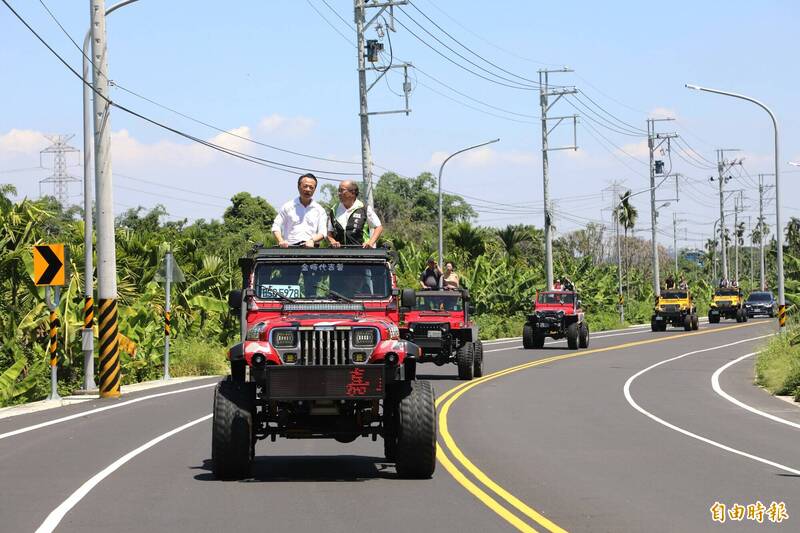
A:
723, 166
363, 51
738, 205
615, 205
654, 142
544, 93
675, 239
60, 178
106, 252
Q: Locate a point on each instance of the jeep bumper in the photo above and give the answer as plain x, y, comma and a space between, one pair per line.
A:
327, 382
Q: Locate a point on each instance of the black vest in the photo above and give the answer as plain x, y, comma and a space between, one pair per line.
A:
355, 232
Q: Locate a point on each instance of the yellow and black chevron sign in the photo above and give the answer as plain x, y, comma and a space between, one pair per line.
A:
49, 265
782, 316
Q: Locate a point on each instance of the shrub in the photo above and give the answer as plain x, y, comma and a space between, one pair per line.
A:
778, 365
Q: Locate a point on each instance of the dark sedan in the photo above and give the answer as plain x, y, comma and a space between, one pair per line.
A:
761, 303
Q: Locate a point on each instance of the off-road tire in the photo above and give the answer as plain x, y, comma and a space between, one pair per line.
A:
527, 336
465, 357
653, 325
477, 356
572, 336
687, 323
713, 319
739, 315
390, 408
695, 322
416, 431
232, 443
583, 335
538, 339
745, 318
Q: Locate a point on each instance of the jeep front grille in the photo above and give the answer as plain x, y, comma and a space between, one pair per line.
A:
724, 303
672, 308
325, 347
425, 327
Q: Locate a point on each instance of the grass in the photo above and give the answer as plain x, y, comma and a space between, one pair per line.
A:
195, 357
778, 365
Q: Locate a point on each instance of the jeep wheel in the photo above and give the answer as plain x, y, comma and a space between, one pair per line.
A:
739, 316
465, 359
713, 319
695, 322
416, 431
238, 371
572, 336
583, 336
232, 444
687, 323
653, 325
477, 355
390, 407
527, 336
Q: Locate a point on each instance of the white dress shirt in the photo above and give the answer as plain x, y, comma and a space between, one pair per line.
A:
298, 223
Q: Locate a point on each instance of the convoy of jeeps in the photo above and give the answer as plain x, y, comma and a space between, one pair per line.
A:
330, 347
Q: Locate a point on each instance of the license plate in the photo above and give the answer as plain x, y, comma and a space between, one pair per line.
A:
659, 318
435, 334
544, 325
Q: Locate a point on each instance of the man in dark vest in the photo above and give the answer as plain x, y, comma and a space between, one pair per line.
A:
349, 220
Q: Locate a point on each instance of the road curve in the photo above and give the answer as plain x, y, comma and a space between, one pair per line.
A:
552, 443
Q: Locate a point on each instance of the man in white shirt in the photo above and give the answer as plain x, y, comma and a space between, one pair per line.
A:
300, 222
349, 220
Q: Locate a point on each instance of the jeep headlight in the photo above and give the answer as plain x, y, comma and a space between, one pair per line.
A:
254, 333
561, 314
394, 332
284, 338
364, 337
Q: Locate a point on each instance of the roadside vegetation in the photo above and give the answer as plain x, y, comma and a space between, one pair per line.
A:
502, 268
778, 365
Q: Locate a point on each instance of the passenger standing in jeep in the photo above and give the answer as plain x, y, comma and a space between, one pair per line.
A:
300, 222
349, 220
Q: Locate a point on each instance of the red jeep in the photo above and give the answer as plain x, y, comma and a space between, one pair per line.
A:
556, 314
321, 357
439, 323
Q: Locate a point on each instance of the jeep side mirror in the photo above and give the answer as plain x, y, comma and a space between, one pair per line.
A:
408, 298
578, 303
235, 300
471, 308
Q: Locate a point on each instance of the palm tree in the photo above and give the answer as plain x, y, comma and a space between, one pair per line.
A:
626, 214
793, 233
469, 238
511, 237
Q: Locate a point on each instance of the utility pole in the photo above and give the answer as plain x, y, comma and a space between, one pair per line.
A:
60, 177
369, 51
615, 205
762, 226
722, 167
738, 205
654, 142
106, 252
675, 239
544, 94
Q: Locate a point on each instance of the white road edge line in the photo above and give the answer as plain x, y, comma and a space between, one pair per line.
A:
632, 402
718, 389
100, 409
55, 517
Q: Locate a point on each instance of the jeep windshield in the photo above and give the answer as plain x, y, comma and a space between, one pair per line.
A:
556, 298
727, 292
760, 297
322, 280
439, 302
674, 295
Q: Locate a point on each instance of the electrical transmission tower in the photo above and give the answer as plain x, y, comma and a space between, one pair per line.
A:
60, 178
369, 50
544, 93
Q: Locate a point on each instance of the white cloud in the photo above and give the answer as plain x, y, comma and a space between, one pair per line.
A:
292, 126
639, 149
663, 112
22, 142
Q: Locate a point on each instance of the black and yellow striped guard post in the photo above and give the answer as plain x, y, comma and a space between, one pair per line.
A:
54, 325
109, 349
167, 319
782, 316
88, 313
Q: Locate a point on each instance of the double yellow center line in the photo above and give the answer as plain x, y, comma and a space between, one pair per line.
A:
461, 461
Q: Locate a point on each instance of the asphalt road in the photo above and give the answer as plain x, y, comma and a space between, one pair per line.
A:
552, 439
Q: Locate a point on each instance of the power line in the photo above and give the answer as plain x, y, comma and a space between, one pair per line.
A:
600, 120
580, 94
159, 184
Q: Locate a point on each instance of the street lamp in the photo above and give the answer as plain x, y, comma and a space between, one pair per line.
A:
88, 136
441, 252
779, 236
794, 163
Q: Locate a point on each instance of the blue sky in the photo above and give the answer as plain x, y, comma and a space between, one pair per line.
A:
276, 72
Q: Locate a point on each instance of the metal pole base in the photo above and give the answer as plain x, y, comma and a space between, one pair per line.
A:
53, 385
87, 341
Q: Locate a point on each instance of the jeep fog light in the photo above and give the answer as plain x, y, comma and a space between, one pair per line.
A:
290, 358
285, 338
364, 337
359, 357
